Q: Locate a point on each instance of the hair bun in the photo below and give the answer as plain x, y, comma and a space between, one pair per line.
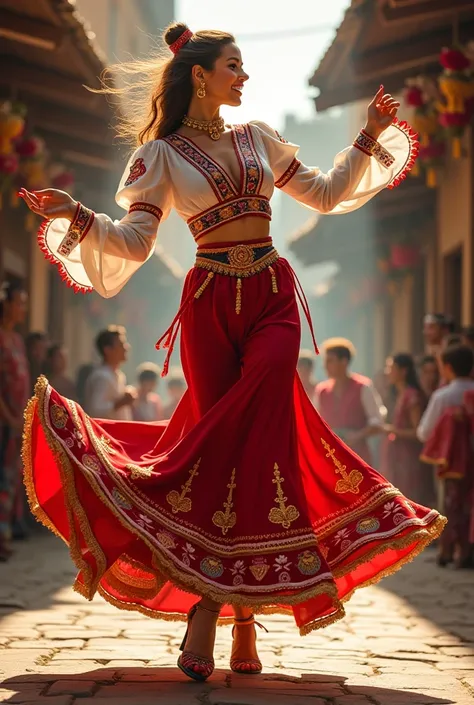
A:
173, 32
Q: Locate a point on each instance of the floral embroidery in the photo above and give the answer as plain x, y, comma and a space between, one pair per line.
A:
284, 577
91, 462
251, 167
309, 562
281, 563
166, 539
350, 481
227, 519
188, 552
367, 525
139, 473
222, 213
77, 230
179, 501
288, 174
282, 514
340, 535
369, 146
137, 170
105, 445
324, 551
121, 500
144, 521
238, 570
78, 437
345, 544
59, 416
212, 566
391, 508
218, 179
259, 568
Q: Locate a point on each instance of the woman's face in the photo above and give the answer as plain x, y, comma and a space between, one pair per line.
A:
59, 362
17, 308
225, 82
429, 375
395, 374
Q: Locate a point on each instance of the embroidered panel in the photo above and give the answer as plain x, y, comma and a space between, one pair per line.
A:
250, 164
77, 231
221, 183
225, 212
369, 146
137, 170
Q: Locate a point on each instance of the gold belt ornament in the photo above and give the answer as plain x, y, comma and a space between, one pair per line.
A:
239, 261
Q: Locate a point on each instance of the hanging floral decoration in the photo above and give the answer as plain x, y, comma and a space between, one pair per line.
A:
456, 85
420, 96
12, 124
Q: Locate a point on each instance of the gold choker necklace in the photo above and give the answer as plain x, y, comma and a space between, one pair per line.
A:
213, 127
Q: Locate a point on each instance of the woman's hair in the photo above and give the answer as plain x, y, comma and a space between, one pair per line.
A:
7, 293
158, 90
405, 361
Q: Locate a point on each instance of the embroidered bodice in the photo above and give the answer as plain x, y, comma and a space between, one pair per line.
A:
176, 172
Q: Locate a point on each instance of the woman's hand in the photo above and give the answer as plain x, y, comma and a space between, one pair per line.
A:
50, 203
381, 112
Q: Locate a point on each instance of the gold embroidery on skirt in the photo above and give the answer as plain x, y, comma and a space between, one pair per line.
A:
238, 296
106, 445
179, 502
139, 473
227, 520
350, 481
283, 515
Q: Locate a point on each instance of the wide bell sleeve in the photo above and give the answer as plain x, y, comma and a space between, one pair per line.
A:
359, 171
94, 252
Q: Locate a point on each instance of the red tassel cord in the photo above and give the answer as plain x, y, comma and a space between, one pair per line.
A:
303, 301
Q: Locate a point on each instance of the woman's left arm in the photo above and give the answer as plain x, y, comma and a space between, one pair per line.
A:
380, 157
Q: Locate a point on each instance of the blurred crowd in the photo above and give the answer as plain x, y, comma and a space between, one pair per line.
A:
415, 415
101, 389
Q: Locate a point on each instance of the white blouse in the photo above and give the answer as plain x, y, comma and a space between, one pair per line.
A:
95, 252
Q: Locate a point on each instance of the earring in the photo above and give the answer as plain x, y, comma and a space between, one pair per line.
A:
201, 91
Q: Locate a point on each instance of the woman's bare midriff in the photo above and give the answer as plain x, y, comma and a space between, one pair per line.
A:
249, 227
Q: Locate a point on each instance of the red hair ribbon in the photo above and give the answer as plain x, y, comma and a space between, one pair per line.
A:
181, 41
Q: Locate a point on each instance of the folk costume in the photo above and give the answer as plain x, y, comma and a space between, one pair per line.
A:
245, 495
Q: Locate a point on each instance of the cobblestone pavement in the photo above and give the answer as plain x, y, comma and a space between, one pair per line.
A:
410, 643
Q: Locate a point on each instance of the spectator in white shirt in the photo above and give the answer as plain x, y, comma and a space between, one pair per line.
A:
456, 366
148, 405
107, 395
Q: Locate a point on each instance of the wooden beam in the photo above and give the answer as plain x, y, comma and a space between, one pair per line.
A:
71, 124
30, 31
61, 89
397, 12
80, 152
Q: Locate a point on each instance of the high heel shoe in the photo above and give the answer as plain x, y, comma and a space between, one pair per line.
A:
244, 638
196, 667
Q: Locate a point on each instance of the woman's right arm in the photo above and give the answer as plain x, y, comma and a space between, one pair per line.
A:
90, 249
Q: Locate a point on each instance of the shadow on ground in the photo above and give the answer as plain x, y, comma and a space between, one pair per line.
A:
166, 686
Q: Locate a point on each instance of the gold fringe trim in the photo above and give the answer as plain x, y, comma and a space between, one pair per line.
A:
204, 285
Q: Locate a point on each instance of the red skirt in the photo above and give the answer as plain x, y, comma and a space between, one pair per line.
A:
245, 495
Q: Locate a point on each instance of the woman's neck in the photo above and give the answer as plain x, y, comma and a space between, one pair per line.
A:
200, 110
401, 386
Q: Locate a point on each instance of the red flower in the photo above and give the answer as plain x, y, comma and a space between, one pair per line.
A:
454, 119
454, 60
29, 147
434, 150
9, 164
414, 97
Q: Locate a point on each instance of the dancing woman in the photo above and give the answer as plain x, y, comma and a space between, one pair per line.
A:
245, 498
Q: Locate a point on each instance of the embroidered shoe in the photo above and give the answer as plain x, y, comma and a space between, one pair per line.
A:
244, 658
196, 667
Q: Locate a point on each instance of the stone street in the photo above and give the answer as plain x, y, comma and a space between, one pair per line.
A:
408, 643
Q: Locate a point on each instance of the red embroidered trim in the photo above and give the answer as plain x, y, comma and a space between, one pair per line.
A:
220, 181
288, 174
413, 147
224, 212
362, 149
181, 41
137, 170
148, 208
64, 274
367, 144
250, 165
77, 231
